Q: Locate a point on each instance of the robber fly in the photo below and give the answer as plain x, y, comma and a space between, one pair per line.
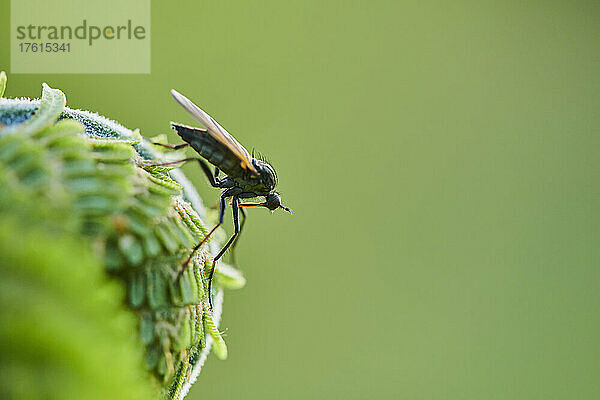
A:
246, 177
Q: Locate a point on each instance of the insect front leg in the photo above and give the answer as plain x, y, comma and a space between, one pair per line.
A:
243, 212
222, 206
236, 224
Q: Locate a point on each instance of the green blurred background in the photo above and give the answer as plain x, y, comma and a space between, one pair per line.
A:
440, 158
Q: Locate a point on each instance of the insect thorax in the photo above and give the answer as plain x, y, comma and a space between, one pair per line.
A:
262, 184
266, 173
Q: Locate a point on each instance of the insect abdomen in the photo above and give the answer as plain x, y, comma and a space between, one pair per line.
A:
209, 148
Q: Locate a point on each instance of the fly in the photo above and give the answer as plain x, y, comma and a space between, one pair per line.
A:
246, 177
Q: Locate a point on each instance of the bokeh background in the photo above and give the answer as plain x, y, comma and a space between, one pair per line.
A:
441, 160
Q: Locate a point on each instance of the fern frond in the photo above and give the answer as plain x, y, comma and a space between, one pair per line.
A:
87, 178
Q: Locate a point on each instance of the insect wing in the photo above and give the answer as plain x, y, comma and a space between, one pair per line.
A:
216, 131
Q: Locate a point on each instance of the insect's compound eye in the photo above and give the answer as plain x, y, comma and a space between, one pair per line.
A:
267, 173
269, 179
273, 201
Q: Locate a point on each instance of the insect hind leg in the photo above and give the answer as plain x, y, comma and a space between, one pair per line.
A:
212, 178
171, 146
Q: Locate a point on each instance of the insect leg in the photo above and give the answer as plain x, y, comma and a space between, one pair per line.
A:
212, 178
252, 205
243, 212
264, 204
214, 182
172, 146
195, 249
236, 224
